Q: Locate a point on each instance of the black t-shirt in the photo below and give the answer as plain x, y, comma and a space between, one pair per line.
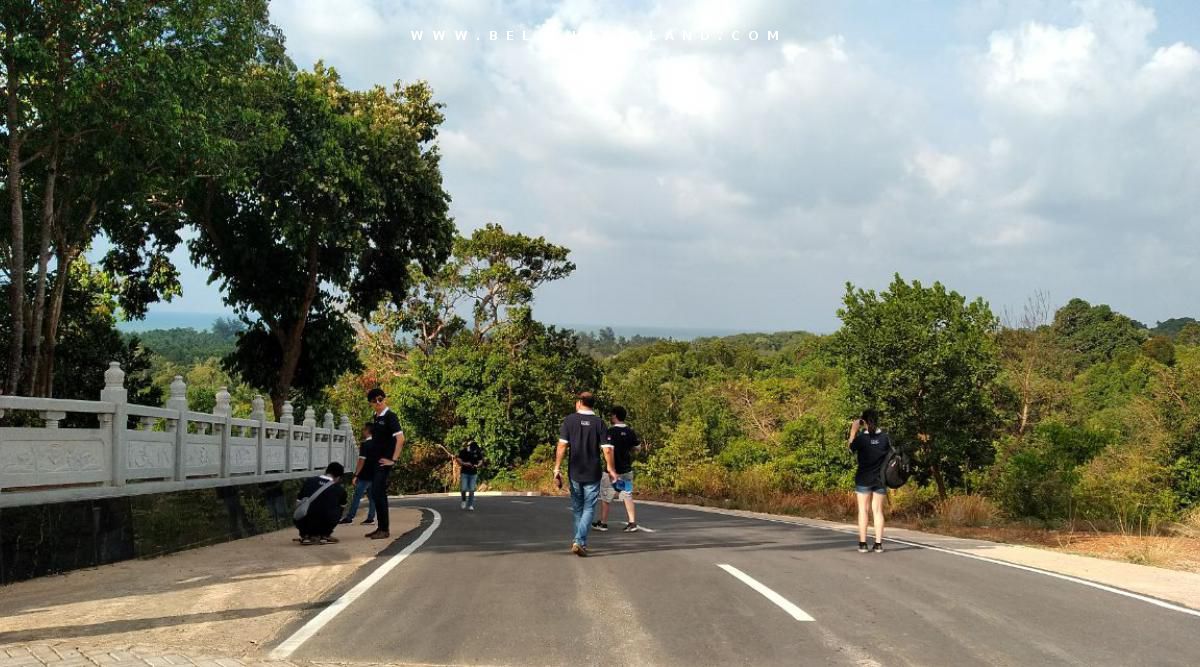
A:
872, 449
624, 441
384, 429
327, 507
366, 450
584, 434
471, 457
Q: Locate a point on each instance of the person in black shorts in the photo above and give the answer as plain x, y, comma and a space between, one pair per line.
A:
624, 441
871, 445
387, 442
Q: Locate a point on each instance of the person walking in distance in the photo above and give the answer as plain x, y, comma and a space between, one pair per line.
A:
387, 443
583, 435
871, 445
623, 440
470, 460
363, 470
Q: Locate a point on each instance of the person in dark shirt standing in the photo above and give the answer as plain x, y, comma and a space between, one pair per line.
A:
364, 468
470, 460
387, 442
583, 435
316, 527
623, 440
871, 445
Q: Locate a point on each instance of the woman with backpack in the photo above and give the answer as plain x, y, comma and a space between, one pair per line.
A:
871, 445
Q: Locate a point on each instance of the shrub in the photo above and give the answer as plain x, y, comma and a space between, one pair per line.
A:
1128, 485
966, 510
743, 453
913, 500
707, 480
757, 485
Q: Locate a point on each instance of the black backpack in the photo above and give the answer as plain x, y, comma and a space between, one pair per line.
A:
897, 467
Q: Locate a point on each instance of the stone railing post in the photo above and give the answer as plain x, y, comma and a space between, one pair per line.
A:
178, 401
288, 420
224, 409
258, 411
348, 454
310, 423
114, 391
328, 427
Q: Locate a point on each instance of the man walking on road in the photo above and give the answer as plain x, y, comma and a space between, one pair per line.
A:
470, 460
387, 442
623, 441
583, 435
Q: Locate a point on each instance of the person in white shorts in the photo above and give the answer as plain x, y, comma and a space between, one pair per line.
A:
624, 441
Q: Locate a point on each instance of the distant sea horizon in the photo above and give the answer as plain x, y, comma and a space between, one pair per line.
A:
203, 321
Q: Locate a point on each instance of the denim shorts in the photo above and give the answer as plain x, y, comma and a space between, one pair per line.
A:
873, 488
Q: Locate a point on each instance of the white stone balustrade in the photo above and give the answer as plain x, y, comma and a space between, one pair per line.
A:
130, 449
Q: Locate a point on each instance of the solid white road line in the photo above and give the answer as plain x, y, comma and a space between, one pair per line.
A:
783, 603
289, 645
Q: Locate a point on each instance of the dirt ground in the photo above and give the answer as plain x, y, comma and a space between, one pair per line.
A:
228, 599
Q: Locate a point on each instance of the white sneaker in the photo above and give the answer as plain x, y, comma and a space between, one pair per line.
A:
470, 508
463, 505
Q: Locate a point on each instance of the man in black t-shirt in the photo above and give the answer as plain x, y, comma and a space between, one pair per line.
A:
623, 441
387, 442
470, 459
583, 435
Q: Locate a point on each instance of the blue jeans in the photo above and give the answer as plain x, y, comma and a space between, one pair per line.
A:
361, 486
583, 505
466, 484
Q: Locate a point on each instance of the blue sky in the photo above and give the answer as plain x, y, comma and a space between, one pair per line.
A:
1000, 147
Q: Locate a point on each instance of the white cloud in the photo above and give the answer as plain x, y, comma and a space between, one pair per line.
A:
707, 179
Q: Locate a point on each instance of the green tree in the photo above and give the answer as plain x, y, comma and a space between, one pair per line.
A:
106, 106
927, 359
1160, 349
1189, 334
321, 220
1094, 333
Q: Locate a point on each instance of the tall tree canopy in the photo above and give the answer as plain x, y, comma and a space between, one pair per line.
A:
322, 217
1093, 334
927, 359
107, 106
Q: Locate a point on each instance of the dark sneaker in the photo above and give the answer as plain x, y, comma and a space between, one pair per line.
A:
307, 541
380, 535
346, 520
578, 550
328, 540
862, 547
631, 528
878, 548
368, 522
371, 534
600, 526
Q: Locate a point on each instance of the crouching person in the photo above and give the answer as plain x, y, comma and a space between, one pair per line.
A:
320, 505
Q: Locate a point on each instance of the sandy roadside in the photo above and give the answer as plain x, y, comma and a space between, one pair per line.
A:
227, 599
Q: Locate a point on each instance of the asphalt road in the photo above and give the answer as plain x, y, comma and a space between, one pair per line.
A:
498, 587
